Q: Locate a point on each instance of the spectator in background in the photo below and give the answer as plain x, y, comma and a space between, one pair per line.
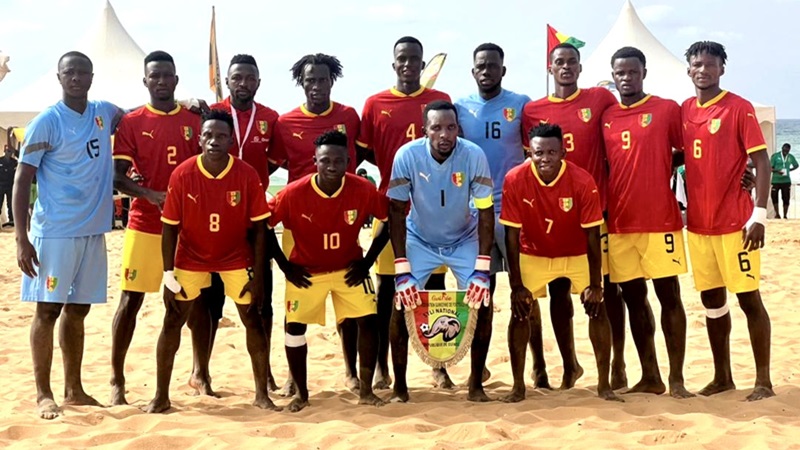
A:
8, 167
782, 163
363, 173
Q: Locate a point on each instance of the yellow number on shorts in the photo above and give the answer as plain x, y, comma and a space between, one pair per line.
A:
569, 142
744, 263
698, 151
213, 222
626, 140
411, 131
369, 288
172, 152
549, 224
330, 241
604, 242
669, 240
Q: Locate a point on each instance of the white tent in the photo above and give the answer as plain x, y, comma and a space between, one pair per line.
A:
666, 73
118, 73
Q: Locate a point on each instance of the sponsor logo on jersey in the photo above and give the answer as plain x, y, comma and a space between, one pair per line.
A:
565, 203
350, 216
149, 134
234, 197
51, 283
341, 128
263, 126
645, 119
99, 121
510, 114
457, 178
585, 114
714, 125
130, 274
188, 133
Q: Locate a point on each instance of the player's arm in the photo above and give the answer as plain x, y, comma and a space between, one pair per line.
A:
478, 283
793, 163
592, 296
773, 162
753, 233
124, 184
485, 230
358, 270
260, 258
521, 297
397, 227
365, 154
21, 196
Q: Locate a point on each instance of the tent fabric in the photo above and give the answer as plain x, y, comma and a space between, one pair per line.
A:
666, 73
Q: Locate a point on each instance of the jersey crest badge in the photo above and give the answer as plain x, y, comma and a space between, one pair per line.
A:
350, 216
51, 283
188, 133
99, 121
509, 114
234, 197
714, 125
292, 305
263, 126
341, 128
457, 178
645, 119
565, 203
130, 274
585, 114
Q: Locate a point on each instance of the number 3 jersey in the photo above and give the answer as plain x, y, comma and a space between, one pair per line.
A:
72, 154
214, 214
326, 228
155, 142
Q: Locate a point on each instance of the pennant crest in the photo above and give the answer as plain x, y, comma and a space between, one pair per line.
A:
585, 114
187, 133
130, 274
263, 126
234, 197
51, 283
341, 128
565, 203
714, 125
350, 216
99, 121
509, 114
442, 328
645, 119
457, 178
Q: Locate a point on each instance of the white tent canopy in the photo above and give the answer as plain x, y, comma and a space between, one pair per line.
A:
666, 73
118, 73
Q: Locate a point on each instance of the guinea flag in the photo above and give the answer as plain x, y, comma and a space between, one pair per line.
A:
441, 328
554, 38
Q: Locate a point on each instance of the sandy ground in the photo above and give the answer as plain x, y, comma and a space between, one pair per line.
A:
435, 418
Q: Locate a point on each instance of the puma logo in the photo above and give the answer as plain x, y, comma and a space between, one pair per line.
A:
298, 135
386, 112
307, 217
426, 177
750, 276
544, 121
750, 115
192, 198
608, 125
528, 202
677, 261
149, 133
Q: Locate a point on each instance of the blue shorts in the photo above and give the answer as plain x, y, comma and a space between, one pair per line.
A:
71, 270
499, 253
424, 259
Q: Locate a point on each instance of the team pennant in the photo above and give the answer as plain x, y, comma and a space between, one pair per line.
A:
442, 328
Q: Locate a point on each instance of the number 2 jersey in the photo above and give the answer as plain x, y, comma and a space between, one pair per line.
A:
718, 137
156, 143
214, 214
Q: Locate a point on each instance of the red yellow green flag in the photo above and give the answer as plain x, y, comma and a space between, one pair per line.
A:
554, 38
432, 69
441, 328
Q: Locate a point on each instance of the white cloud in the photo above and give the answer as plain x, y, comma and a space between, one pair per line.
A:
654, 13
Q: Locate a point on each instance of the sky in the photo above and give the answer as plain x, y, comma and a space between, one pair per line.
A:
361, 34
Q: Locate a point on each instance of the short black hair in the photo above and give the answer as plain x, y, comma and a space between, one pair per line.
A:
438, 105
332, 137
159, 56
407, 40
567, 46
333, 63
76, 54
710, 47
243, 59
488, 47
218, 114
546, 130
629, 52
784, 145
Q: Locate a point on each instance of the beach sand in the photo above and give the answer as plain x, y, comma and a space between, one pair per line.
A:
434, 418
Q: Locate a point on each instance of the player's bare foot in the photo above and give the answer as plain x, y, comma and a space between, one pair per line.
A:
384, 382
297, 404
619, 379
266, 403
442, 380
371, 399
647, 386
352, 383
202, 386
48, 409
271, 384
157, 406
715, 387
540, 380
478, 396
486, 375
399, 397
678, 390
80, 399
516, 395
571, 377
609, 395
118, 395
760, 393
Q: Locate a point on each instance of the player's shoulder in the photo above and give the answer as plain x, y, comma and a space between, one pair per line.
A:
358, 183
599, 93
469, 147
48, 116
519, 171
578, 175
689, 103
509, 96
736, 101
433, 94
539, 102
186, 167
299, 185
409, 149
243, 169
264, 112
290, 115
340, 108
380, 96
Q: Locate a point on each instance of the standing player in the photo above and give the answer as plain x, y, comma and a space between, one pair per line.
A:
578, 112
725, 231
212, 201
326, 211
253, 125
293, 145
390, 119
644, 222
68, 149
492, 118
551, 210
782, 163
440, 175
154, 139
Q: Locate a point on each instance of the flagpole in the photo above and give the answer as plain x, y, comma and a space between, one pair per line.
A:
213, 59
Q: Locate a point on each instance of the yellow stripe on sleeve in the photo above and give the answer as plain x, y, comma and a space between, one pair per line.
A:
170, 222
756, 148
510, 224
593, 224
261, 217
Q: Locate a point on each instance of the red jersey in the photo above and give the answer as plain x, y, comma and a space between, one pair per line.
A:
214, 214
155, 142
552, 216
252, 140
717, 138
579, 118
390, 119
326, 229
295, 132
639, 140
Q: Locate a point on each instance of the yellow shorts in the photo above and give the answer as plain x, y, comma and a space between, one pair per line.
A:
308, 305
384, 265
287, 242
142, 266
645, 255
537, 272
193, 282
721, 261
604, 246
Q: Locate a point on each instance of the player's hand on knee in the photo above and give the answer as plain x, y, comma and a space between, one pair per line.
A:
478, 284
357, 272
297, 275
754, 230
521, 301
26, 258
592, 299
406, 287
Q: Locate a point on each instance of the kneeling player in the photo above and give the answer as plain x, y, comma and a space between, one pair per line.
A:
212, 201
551, 210
325, 212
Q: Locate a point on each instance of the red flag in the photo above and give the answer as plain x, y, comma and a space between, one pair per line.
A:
554, 38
